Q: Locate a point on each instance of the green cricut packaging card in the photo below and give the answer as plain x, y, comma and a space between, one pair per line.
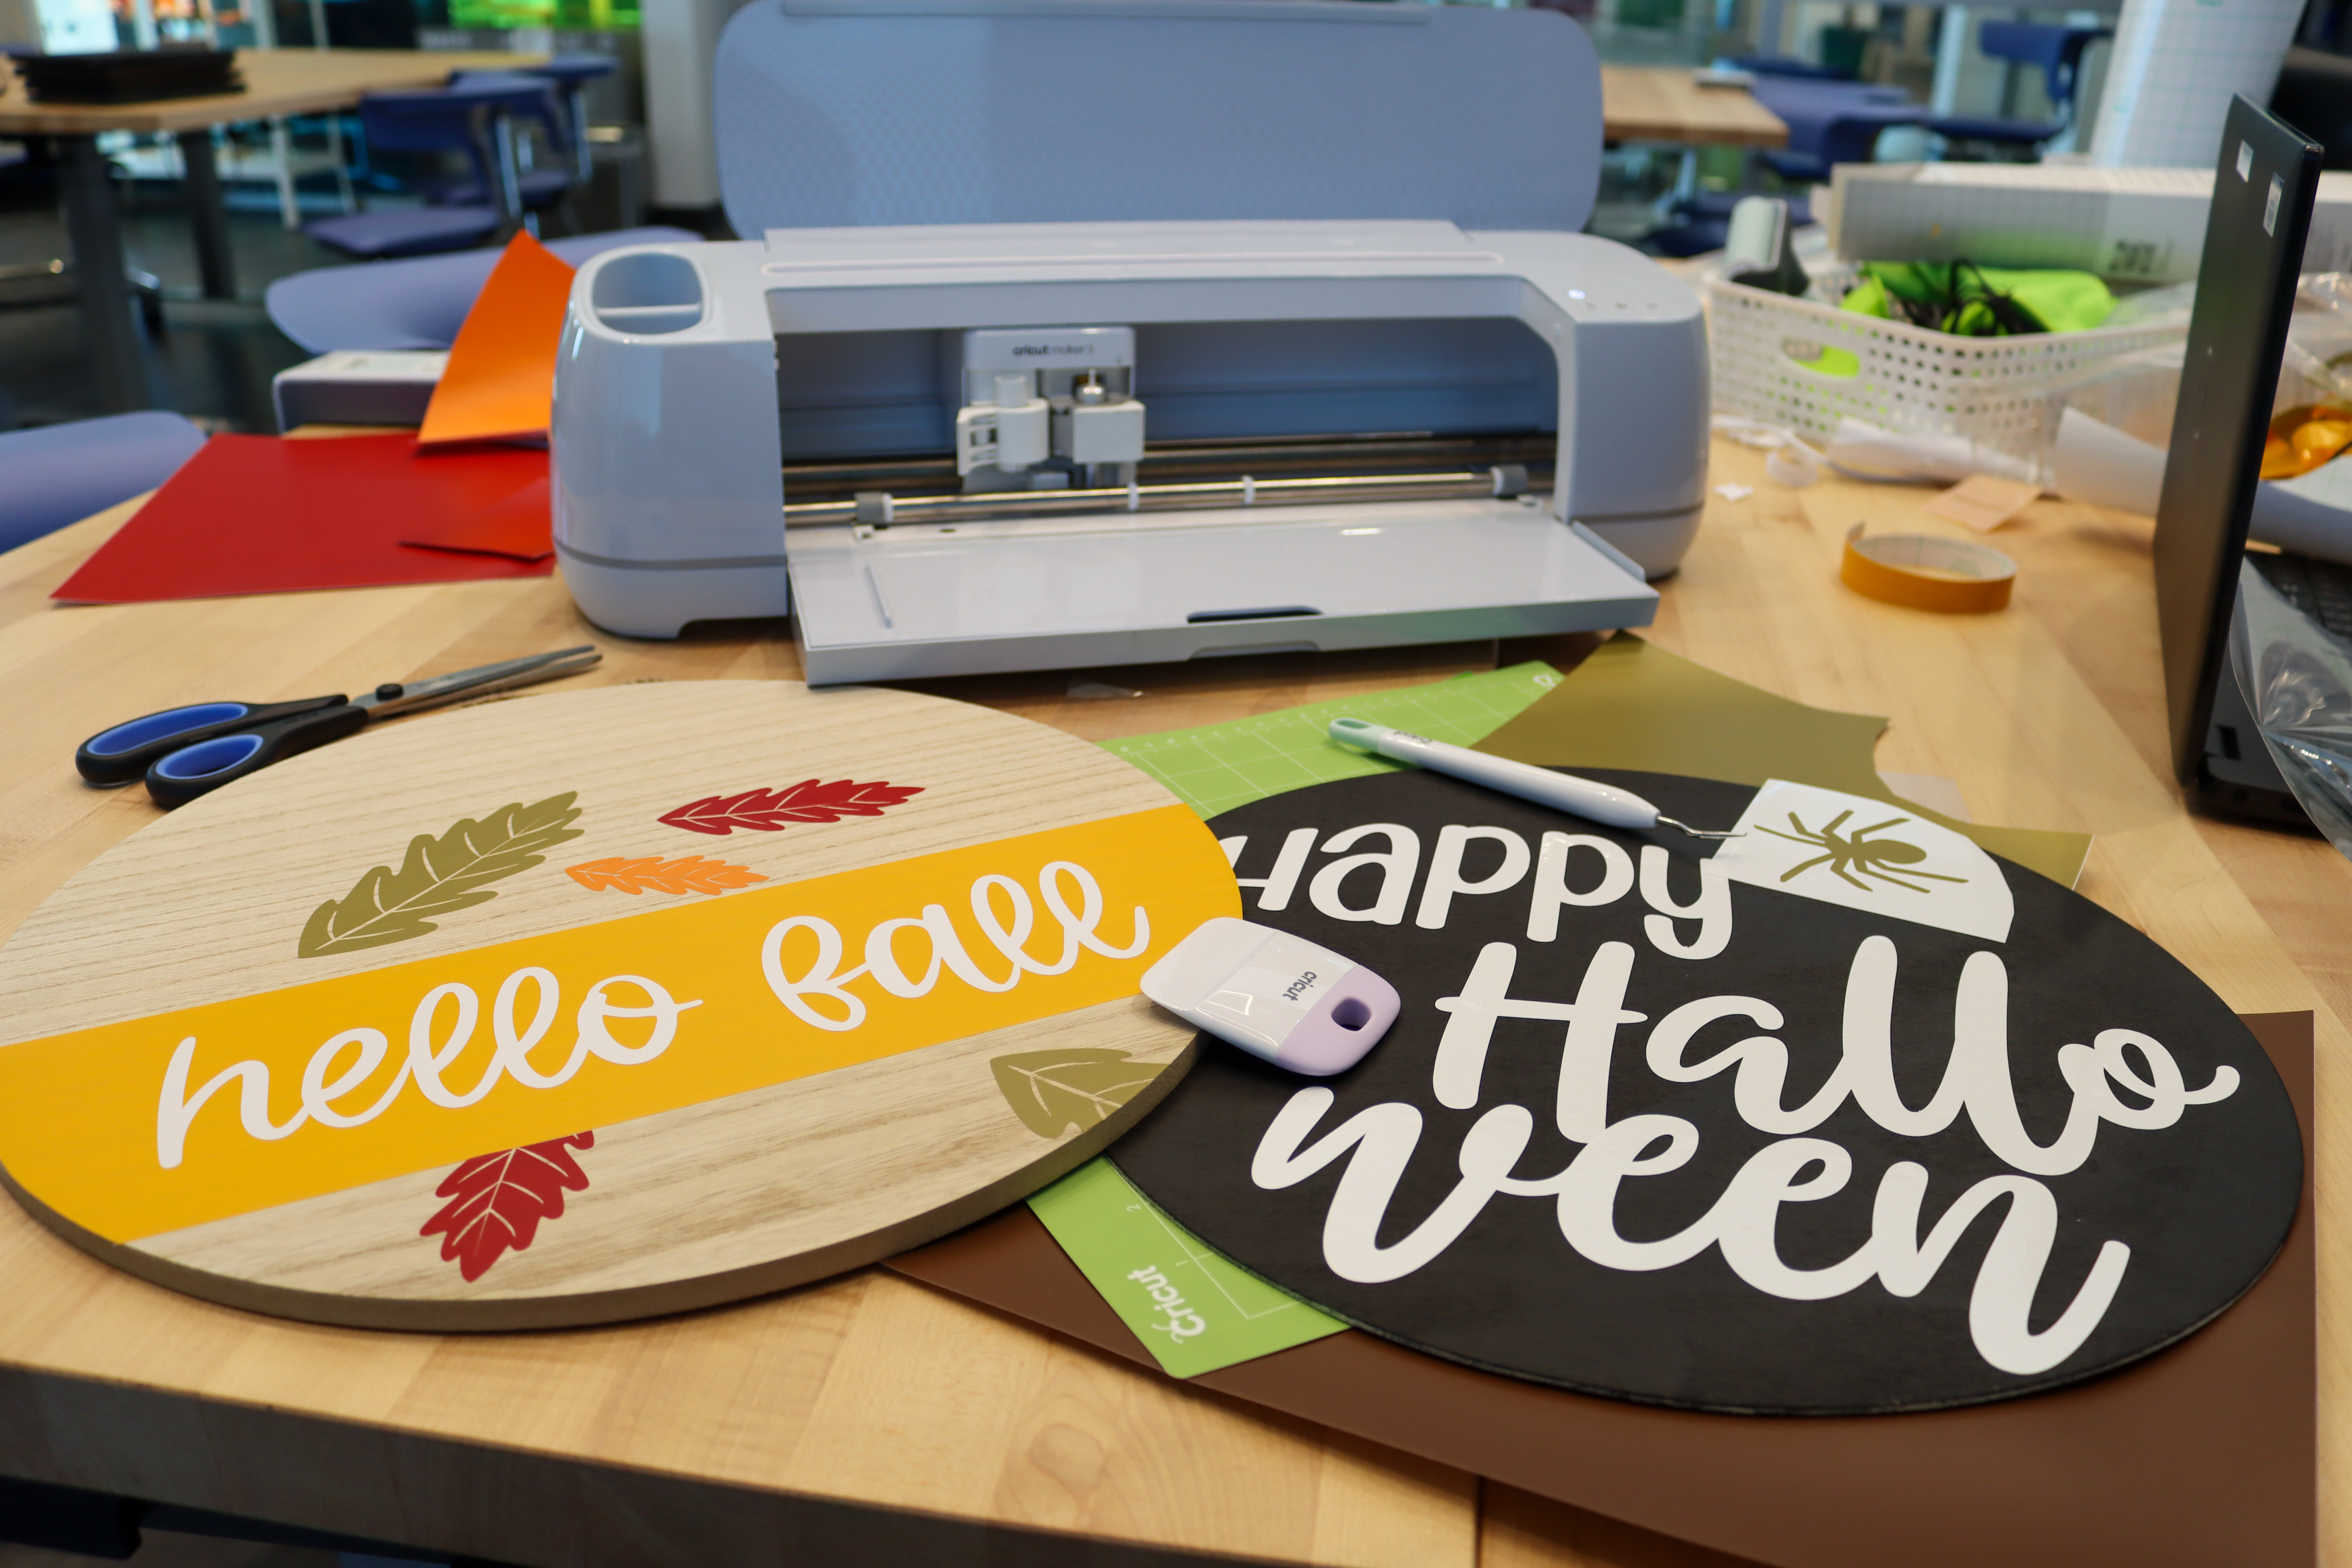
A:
1196, 1310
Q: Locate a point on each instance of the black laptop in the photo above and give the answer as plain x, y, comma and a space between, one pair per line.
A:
2262, 192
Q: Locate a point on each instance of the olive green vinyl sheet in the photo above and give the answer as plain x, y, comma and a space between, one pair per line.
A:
1634, 705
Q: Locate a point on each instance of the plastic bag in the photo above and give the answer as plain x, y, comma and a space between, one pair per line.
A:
2297, 683
2170, 303
1969, 301
2135, 393
1788, 460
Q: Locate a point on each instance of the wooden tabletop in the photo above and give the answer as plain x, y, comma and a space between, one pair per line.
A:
1665, 103
276, 81
870, 1419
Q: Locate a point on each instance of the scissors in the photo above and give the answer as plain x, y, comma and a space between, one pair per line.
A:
183, 752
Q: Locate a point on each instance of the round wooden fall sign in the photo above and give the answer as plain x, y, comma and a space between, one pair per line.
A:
585, 1005
1845, 1116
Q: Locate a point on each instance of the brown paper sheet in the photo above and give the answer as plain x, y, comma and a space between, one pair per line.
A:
2205, 1454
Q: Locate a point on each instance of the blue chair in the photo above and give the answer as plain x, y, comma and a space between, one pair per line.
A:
2058, 50
58, 474
1784, 65
475, 116
1830, 122
1702, 223
572, 74
567, 131
413, 304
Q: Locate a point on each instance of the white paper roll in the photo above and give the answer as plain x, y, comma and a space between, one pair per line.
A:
1863, 448
2092, 461
2099, 464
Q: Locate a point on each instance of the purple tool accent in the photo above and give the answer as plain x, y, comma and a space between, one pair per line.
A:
1349, 1022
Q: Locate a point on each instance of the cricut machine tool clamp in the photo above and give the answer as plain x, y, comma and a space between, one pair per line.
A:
1349, 380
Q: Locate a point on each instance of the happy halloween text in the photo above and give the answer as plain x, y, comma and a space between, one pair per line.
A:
1378, 1143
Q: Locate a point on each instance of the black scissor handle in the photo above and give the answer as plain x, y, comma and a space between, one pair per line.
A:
179, 776
124, 753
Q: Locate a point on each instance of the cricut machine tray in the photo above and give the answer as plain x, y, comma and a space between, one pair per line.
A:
959, 449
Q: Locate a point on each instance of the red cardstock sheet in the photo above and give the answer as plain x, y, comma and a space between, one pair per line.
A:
2202, 1454
258, 514
519, 527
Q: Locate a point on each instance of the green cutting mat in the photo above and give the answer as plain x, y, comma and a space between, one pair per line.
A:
1220, 767
1193, 1310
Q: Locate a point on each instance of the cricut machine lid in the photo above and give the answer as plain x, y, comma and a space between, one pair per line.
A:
840, 114
1298, 220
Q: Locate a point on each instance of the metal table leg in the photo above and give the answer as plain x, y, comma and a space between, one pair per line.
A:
95, 230
207, 215
509, 177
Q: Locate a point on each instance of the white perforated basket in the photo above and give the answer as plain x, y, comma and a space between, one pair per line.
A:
1996, 392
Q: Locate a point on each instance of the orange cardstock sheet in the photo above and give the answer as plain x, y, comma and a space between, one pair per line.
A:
501, 381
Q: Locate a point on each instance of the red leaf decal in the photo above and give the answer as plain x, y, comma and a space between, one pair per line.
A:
770, 810
496, 1201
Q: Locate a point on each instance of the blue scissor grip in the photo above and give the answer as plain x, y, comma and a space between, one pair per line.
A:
162, 726
131, 749
186, 772
206, 758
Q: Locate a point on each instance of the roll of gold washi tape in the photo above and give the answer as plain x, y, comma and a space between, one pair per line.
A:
1924, 572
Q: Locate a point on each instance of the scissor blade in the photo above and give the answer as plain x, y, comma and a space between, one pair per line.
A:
481, 679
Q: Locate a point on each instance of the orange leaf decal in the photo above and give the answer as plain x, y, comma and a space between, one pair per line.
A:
689, 874
496, 1201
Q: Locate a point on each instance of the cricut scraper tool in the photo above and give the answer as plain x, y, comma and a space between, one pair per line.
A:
1562, 792
1297, 1003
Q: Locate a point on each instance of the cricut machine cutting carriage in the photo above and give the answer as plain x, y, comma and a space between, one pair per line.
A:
950, 448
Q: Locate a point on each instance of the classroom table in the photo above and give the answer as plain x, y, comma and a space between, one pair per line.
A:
1665, 103
869, 1419
277, 82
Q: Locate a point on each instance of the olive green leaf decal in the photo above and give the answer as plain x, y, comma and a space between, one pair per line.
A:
439, 877
1050, 1091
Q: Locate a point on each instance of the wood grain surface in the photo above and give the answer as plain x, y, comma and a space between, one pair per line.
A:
672, 1208
1665, 103
276, 81
212, 896
867, 1417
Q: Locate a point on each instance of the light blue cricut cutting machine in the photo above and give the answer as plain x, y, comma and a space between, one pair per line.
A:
1289, 343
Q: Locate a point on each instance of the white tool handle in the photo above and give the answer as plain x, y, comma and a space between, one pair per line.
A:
1562, 792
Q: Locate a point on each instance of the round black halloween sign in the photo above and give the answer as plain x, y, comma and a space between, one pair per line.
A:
1846, 1115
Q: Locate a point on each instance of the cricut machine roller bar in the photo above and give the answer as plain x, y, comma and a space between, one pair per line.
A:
1334, 368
